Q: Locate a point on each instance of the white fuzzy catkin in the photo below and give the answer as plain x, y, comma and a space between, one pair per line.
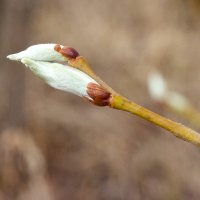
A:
44, 61
59, 76
159, 91
177, 101
39, 52
157, 86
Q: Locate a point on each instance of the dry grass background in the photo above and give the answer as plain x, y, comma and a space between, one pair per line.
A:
55, 146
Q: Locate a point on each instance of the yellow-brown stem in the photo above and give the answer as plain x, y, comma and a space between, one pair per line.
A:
81, 64
177, 129
118, 102
190, 114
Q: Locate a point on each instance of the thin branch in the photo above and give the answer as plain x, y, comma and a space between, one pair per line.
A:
177, 129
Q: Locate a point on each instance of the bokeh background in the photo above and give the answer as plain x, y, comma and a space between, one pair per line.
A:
55, 146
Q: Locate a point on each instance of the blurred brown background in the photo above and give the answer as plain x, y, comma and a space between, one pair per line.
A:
54, 146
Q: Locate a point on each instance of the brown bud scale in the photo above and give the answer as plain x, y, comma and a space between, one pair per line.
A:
99, 95
68, 52
57, 48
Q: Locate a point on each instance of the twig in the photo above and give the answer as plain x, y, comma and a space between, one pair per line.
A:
177, 129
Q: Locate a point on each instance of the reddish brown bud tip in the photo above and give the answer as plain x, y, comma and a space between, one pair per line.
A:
99, 95
57, 48
68, 52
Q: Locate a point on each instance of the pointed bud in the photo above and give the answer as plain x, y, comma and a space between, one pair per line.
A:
62, 77
40, 52
75, 76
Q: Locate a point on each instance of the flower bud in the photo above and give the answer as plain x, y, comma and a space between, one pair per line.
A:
62, 77
40, 52
45, 62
